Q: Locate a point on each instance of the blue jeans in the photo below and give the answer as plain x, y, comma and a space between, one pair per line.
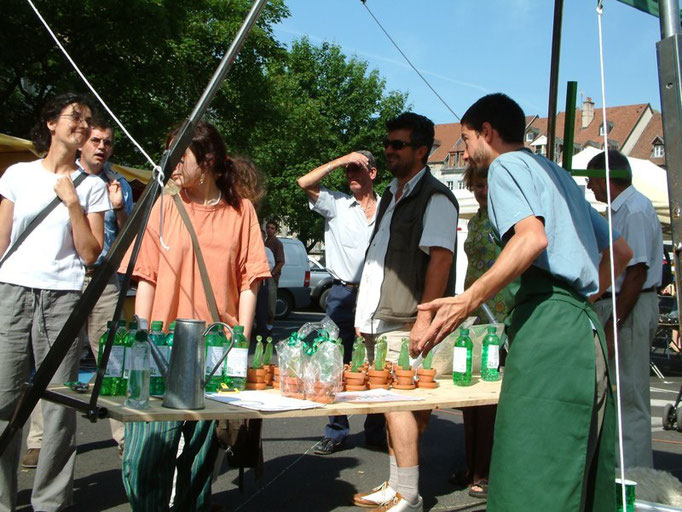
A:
341, 309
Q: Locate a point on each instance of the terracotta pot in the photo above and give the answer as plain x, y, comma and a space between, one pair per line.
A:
426, 378
255, 378
275, 376
268, 373
292, 387
355, 381
378, 378
405, 379
324, 394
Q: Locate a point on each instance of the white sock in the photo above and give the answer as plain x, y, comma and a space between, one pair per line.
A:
393, 475
408, 483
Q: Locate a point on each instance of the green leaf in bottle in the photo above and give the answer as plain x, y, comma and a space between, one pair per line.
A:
428, 360
404, 357
359, 352
268, 351
380, 354
258, 354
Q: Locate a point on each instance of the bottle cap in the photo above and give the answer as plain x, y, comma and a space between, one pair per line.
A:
492, 329
157, 325
464, 331
108, 324
122, 323
141, 335
238, 329
133, 326
171, 327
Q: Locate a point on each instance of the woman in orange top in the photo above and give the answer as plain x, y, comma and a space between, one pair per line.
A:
170, 287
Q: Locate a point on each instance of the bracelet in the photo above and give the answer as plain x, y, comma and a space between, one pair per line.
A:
329, 167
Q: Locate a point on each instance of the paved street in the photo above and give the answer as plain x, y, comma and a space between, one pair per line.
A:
296, 479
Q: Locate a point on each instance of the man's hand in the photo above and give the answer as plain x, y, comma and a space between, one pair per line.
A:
420, 326
66, 191
447, 313
115, 194
356, 159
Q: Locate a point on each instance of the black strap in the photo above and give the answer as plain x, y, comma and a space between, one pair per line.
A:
38, 219
208, 289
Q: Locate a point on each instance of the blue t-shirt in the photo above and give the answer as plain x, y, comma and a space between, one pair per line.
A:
521, 184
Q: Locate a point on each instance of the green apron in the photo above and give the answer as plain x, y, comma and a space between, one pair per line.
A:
547, 403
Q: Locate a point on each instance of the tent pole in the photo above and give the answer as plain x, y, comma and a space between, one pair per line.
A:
669, 50
554, 78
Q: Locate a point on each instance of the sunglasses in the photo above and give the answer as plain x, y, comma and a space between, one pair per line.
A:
396, 144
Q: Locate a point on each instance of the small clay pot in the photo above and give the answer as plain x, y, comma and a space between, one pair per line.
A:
255, 378
378, 378
292, 387
355, 381
322, 393
405, 379
426, 378
268, 373
275, 376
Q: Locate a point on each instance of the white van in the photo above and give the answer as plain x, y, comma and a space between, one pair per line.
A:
294, 282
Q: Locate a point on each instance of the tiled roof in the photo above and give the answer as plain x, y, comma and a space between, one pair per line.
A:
446, 136
643, 148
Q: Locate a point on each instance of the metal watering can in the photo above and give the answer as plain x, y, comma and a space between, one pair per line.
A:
185, 375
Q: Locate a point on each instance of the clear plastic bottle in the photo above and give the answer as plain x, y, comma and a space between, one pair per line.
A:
157, 386
462, 359
237, 361
137, 395
215, 346
490, 356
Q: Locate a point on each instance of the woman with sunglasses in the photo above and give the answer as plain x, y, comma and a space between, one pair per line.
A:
169, 287
40, 283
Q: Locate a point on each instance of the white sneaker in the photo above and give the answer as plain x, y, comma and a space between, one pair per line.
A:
400, 504
376, 497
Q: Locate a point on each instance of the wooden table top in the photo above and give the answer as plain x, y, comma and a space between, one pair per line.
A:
445, 396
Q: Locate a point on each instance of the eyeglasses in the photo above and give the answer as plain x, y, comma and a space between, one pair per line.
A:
96, 141
396, 144
77, 117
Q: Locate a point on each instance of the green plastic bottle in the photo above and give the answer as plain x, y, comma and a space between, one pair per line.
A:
120, 341
490, 356
462, 359
237, 361
267, 354
404, 357
169, 340
215, 346
137, 395
128, 343
114, 369
157, 385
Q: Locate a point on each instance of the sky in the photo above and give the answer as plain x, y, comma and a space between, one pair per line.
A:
469, 48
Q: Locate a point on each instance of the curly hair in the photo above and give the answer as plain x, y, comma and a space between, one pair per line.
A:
249, 180
40, 134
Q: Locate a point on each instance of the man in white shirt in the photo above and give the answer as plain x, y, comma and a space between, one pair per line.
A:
410, 260
636, 304
349, 221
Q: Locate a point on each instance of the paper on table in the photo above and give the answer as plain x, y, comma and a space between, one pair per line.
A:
260, 401
374, 395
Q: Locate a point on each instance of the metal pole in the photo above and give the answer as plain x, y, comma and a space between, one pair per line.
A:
569, 125
35, 390
669, 52
669, 15
554, 77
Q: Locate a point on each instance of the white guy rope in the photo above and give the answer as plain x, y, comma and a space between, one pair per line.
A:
68, 57
159, 176
614, 315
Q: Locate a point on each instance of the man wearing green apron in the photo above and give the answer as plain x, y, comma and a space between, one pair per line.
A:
554, 432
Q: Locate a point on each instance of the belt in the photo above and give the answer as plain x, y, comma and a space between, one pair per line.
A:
607, 296
345, 283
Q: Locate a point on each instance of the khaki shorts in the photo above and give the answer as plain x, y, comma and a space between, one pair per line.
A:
394, 339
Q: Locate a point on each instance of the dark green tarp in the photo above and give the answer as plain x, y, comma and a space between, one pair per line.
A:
647, 6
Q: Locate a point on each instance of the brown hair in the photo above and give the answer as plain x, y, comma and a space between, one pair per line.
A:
207, 145
470, 174
249, 180
40, 134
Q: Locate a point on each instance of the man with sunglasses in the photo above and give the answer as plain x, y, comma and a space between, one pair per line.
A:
94, 159
410, 260
348, 224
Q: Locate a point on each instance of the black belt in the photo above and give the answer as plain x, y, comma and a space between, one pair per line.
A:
607, 296
345, 283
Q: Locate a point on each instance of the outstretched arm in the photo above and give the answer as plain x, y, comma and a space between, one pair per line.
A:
525, 245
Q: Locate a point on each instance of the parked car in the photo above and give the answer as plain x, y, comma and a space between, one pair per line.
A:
320, 283
294, 283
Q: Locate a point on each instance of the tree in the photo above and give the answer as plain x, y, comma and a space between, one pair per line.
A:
324, 105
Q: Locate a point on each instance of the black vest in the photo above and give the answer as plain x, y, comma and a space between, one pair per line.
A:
405, 263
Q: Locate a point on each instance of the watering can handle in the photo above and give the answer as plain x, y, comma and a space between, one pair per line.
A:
222, 358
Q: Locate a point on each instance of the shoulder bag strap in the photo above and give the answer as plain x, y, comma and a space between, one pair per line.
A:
38, 219
208, 289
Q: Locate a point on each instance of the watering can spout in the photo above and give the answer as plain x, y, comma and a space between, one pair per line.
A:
159, 359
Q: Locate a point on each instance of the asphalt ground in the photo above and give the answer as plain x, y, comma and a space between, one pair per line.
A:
296, 479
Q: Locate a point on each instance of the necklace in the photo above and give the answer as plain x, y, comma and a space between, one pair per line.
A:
367, 208
214, 202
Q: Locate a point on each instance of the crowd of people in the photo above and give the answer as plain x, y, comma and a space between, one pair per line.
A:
537, 256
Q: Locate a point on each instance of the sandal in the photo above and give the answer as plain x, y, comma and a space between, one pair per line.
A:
479, 489
460, 478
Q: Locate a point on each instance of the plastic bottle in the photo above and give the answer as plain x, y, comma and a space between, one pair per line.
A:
215, 346
120, 341
157, 385
169, 340
490, 356
237, 361
114, 369
462, 359
137, 395
128, 343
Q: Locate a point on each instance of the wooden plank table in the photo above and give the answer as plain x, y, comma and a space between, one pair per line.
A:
445, 396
